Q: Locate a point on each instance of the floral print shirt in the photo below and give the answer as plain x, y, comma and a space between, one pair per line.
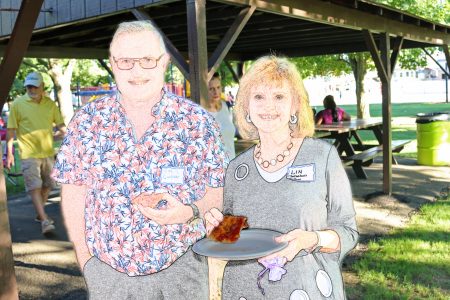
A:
179, 154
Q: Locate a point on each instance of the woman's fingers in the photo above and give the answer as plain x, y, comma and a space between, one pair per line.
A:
214, 217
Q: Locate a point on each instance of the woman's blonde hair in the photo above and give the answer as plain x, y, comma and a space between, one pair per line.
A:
273, 71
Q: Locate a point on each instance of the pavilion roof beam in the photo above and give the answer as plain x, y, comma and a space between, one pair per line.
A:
227, 41
233, 73
370, 42
338, 15
398, 43
442, 68
106, 67
175, 55
63, 52
447, 55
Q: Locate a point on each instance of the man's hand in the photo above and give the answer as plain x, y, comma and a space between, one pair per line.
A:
175, 213
9, 161
9, 148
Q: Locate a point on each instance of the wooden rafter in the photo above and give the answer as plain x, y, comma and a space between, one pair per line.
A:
175, 55
447, 54
373, 49
233, 73
198, 51
439, 65
398, 43
228, 40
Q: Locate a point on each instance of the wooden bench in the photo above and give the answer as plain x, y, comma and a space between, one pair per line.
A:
347, 162
366, 157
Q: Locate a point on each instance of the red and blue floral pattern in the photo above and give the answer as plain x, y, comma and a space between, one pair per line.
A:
100, 151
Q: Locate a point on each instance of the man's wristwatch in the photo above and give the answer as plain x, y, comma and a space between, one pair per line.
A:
195, 211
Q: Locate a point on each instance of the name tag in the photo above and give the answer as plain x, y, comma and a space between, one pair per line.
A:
172, 175
302, 173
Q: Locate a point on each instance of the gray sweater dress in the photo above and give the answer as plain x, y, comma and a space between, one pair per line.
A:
316, 196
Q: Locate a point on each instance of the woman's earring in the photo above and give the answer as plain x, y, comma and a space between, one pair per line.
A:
293, 119
247, 117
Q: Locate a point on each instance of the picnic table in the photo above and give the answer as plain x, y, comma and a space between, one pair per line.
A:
344, 131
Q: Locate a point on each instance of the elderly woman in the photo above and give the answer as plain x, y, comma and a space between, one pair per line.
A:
291, 183
219, 110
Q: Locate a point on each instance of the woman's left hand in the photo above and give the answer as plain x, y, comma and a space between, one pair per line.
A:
298, 240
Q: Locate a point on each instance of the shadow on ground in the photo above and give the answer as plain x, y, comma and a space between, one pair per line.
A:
46, 266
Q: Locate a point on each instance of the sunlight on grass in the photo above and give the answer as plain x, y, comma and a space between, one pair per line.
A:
411, 262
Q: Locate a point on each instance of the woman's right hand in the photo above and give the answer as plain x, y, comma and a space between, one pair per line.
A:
213, 219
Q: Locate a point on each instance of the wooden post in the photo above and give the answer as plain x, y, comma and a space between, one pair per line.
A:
198, 51
15, 51
8, 283
385, 49
18, 44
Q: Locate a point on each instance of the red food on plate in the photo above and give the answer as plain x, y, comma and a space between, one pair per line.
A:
148, 200
229, 230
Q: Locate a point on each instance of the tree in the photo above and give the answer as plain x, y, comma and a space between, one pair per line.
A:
360, 63
434, 10
337, 65
88, 72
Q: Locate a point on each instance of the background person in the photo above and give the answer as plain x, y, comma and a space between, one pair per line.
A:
230, 100
33, 116
331, 113
290, 183
223, 116
125, 147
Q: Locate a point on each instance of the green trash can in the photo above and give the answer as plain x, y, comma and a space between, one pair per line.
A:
433, 138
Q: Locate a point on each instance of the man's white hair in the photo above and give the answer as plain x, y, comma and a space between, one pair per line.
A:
137, 27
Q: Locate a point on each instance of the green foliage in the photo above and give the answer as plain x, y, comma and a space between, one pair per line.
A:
89, 72
17, 89
434, 10
411, 59
173, 74
325, 65
225, 74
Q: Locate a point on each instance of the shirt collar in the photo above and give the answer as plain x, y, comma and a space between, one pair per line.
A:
157, 110
28, 98
160, 107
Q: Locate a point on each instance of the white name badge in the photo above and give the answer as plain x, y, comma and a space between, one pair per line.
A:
172, 175
302, 173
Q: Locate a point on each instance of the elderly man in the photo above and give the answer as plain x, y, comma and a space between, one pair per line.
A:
33, 116
123, 151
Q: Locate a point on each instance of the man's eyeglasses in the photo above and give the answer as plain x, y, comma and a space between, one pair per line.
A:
144, 62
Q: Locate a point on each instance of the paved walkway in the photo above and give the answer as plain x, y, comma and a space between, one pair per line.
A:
46, 267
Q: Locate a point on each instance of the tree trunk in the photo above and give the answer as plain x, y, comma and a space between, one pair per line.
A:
61, 79
358, 63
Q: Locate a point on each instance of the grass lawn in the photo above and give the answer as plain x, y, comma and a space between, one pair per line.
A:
410, 263
403, 122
